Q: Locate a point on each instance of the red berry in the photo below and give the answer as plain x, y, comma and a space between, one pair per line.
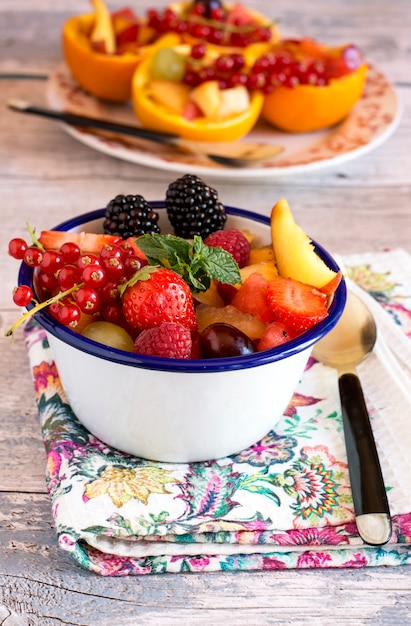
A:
163, 297
169, 340
32, 256
233, 241
87, 299
22, 295
70, 252
94, 276
68, 276
69, 315
51, 262
17, 248
87, 259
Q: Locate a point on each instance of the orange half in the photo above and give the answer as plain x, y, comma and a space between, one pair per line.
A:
106, 76
159, 117
306, 108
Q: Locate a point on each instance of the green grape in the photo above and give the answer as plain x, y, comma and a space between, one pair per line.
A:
168, 64
110, 335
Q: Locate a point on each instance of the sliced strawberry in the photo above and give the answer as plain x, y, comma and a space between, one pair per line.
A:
295, 304
87, 242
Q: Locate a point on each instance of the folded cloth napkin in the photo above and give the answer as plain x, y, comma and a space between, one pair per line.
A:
285, 502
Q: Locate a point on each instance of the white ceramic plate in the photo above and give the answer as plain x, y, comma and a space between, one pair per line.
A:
370, 123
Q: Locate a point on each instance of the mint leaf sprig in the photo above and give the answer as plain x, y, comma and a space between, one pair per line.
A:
196, 262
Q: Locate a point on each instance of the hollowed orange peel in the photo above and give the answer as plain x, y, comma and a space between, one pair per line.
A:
158, 116
107, 76
307, 108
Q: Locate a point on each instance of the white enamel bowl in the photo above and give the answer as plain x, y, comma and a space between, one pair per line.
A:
180, 410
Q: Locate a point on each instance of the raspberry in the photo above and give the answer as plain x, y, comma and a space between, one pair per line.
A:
233, 241
170, 340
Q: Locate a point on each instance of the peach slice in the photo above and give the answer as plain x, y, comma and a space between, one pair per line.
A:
294, 253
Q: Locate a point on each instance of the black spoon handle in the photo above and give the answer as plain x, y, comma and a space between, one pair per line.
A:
367, 483
91, 122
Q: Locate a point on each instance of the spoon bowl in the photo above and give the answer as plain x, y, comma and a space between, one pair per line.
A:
346, 345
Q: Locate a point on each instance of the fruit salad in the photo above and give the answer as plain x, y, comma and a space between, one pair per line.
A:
103, 48
204, 291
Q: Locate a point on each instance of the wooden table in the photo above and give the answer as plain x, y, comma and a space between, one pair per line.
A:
46, 176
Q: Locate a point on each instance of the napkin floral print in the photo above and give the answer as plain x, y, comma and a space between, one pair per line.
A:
285, 502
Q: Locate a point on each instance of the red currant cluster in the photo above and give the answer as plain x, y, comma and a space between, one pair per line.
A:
272, 69
208, 26
77, 283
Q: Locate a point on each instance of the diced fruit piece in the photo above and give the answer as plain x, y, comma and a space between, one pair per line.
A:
211, 296
173, 95
223, 340
216, 103
275, 335
207, 97
266, 269
252, 298
102, 36
109, 334
248, 324
233, 101
294, 253
169, 340
87, 242
260, 255
295, 304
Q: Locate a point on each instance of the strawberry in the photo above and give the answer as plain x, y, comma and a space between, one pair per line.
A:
87, 242
155, 295
295, 304
171, 340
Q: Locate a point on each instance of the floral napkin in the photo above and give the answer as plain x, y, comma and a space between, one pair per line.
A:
285, 502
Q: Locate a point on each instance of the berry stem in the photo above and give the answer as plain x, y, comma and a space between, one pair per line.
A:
42, 305
34, 238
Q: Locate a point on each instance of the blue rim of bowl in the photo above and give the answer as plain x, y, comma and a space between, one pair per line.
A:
303, 342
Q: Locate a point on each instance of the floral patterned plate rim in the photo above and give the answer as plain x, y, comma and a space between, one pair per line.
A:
372, 121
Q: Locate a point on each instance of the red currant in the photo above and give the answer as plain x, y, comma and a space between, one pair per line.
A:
22, 295
94, 276
51, 262
87, 259
17, 248
68, 314
32, 256
68, 276
70, 252
47, 282
87, 299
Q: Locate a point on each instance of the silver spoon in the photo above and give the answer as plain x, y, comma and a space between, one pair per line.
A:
229, 154
345, 346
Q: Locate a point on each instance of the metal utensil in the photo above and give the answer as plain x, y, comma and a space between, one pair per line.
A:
351, 340
229, 154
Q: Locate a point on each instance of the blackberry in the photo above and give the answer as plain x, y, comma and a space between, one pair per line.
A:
130, 216
193, 207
